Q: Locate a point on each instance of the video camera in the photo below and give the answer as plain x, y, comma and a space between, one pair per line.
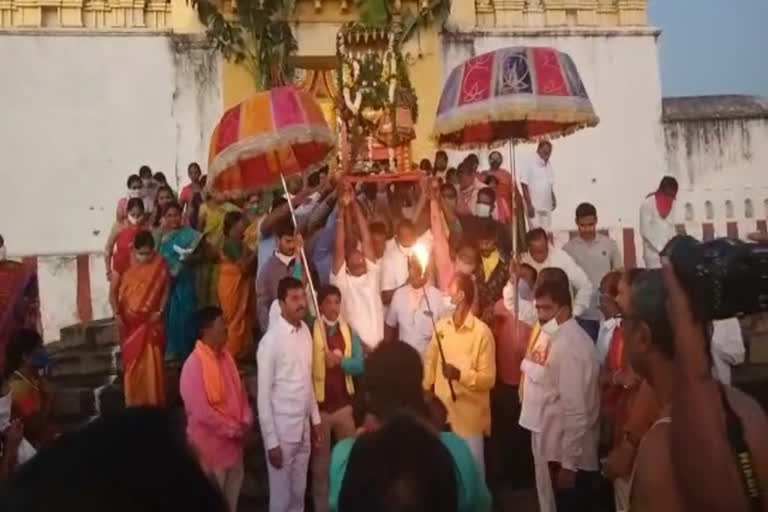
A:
723, 278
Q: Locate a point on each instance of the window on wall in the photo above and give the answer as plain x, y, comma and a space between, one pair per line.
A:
749, 210
729, 209
709, 210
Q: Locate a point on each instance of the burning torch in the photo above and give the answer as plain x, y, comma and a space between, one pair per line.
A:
421, 254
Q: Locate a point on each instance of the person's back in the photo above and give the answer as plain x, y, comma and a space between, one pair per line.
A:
135, 460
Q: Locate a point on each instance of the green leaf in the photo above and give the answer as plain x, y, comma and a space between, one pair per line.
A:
373, 13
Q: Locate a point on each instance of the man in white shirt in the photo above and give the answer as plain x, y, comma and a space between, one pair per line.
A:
561, 401
357, 275
657, 221
727, 348
286, 400
537, 180
394, 263
541, 255
597, 255
409, 317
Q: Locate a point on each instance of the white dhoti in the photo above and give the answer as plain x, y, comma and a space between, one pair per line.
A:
651, 258
541, 219
288, 485
621, 490
477, 448
544, 488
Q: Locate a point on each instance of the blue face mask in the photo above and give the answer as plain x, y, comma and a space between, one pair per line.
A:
40, 359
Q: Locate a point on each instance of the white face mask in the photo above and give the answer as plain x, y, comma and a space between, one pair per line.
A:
330, 323
134, 193
550, 328
133, 219
405, 250
143, 258
3, 253
482, 210
448, 303
464, 268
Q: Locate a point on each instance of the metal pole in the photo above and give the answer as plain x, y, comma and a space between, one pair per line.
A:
303, 254
438, 337
515, 255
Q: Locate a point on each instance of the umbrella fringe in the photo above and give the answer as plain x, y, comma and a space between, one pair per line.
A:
254, 146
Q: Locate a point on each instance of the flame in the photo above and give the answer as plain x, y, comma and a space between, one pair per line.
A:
421, 254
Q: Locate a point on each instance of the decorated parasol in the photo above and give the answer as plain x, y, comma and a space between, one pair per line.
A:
279, 132
512, 94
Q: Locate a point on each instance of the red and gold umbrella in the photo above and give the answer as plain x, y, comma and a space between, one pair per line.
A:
512, 94
281, 131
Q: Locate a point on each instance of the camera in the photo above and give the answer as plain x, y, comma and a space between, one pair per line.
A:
723, 278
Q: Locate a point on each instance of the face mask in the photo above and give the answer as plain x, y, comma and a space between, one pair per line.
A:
550, 328
448, 304
134, 193
143, 258
3, 253
147, 183
39, 359
463, 267
524, 290
482, 210
134, 219
405, 250
330, 323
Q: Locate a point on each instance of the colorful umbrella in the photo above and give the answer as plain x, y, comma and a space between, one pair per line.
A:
279, 131
519, 93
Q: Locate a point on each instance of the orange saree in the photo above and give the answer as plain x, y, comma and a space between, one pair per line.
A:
143, 288
236, 298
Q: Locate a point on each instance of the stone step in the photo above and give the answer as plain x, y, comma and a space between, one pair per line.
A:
96, 333
83, 361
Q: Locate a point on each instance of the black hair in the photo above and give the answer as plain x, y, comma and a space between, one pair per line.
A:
487, 192
143, 239
158, 214
611, 282
2, 241
134, 202
104, 466
466, 285
450, 173
284, 228
194, 164
464, 169
159, 176
287, 284
277, 202
553, 282
205, 317
145, 172
669, 183
402, 467
314, 179
446, 187
393, 380
472, 159
173, 205
648, 304
425, 164
586, 210
326, 291
230, 219
133, 178
377, 228
543, 143
440, 152
536, 234
23, 343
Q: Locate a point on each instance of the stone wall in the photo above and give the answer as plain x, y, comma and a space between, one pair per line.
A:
717, 147
82, 112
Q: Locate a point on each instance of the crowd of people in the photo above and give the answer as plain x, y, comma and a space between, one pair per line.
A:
417, 348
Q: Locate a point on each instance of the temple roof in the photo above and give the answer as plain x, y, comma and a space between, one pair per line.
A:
705, 108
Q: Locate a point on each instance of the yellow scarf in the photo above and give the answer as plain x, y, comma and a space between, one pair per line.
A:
318, 357
489, 264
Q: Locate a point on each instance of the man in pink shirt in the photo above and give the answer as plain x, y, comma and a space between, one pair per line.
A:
216, 404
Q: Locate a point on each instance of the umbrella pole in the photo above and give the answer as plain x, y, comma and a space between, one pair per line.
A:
303, 254
515, 255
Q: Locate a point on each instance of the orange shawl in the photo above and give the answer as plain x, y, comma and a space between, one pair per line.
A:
213, 381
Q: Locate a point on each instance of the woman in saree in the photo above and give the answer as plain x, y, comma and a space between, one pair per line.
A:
177, 245
138, 298
165, 196
117, 252
211, 223
19, 299
236, 292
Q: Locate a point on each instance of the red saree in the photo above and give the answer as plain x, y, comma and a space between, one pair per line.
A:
19, 304
121, 257
143, 287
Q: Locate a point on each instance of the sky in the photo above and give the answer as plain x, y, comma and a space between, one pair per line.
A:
712, 46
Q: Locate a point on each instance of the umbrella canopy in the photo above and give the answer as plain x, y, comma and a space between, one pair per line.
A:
519, 93
279, 131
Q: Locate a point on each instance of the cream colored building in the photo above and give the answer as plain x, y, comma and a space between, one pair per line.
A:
92, 89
